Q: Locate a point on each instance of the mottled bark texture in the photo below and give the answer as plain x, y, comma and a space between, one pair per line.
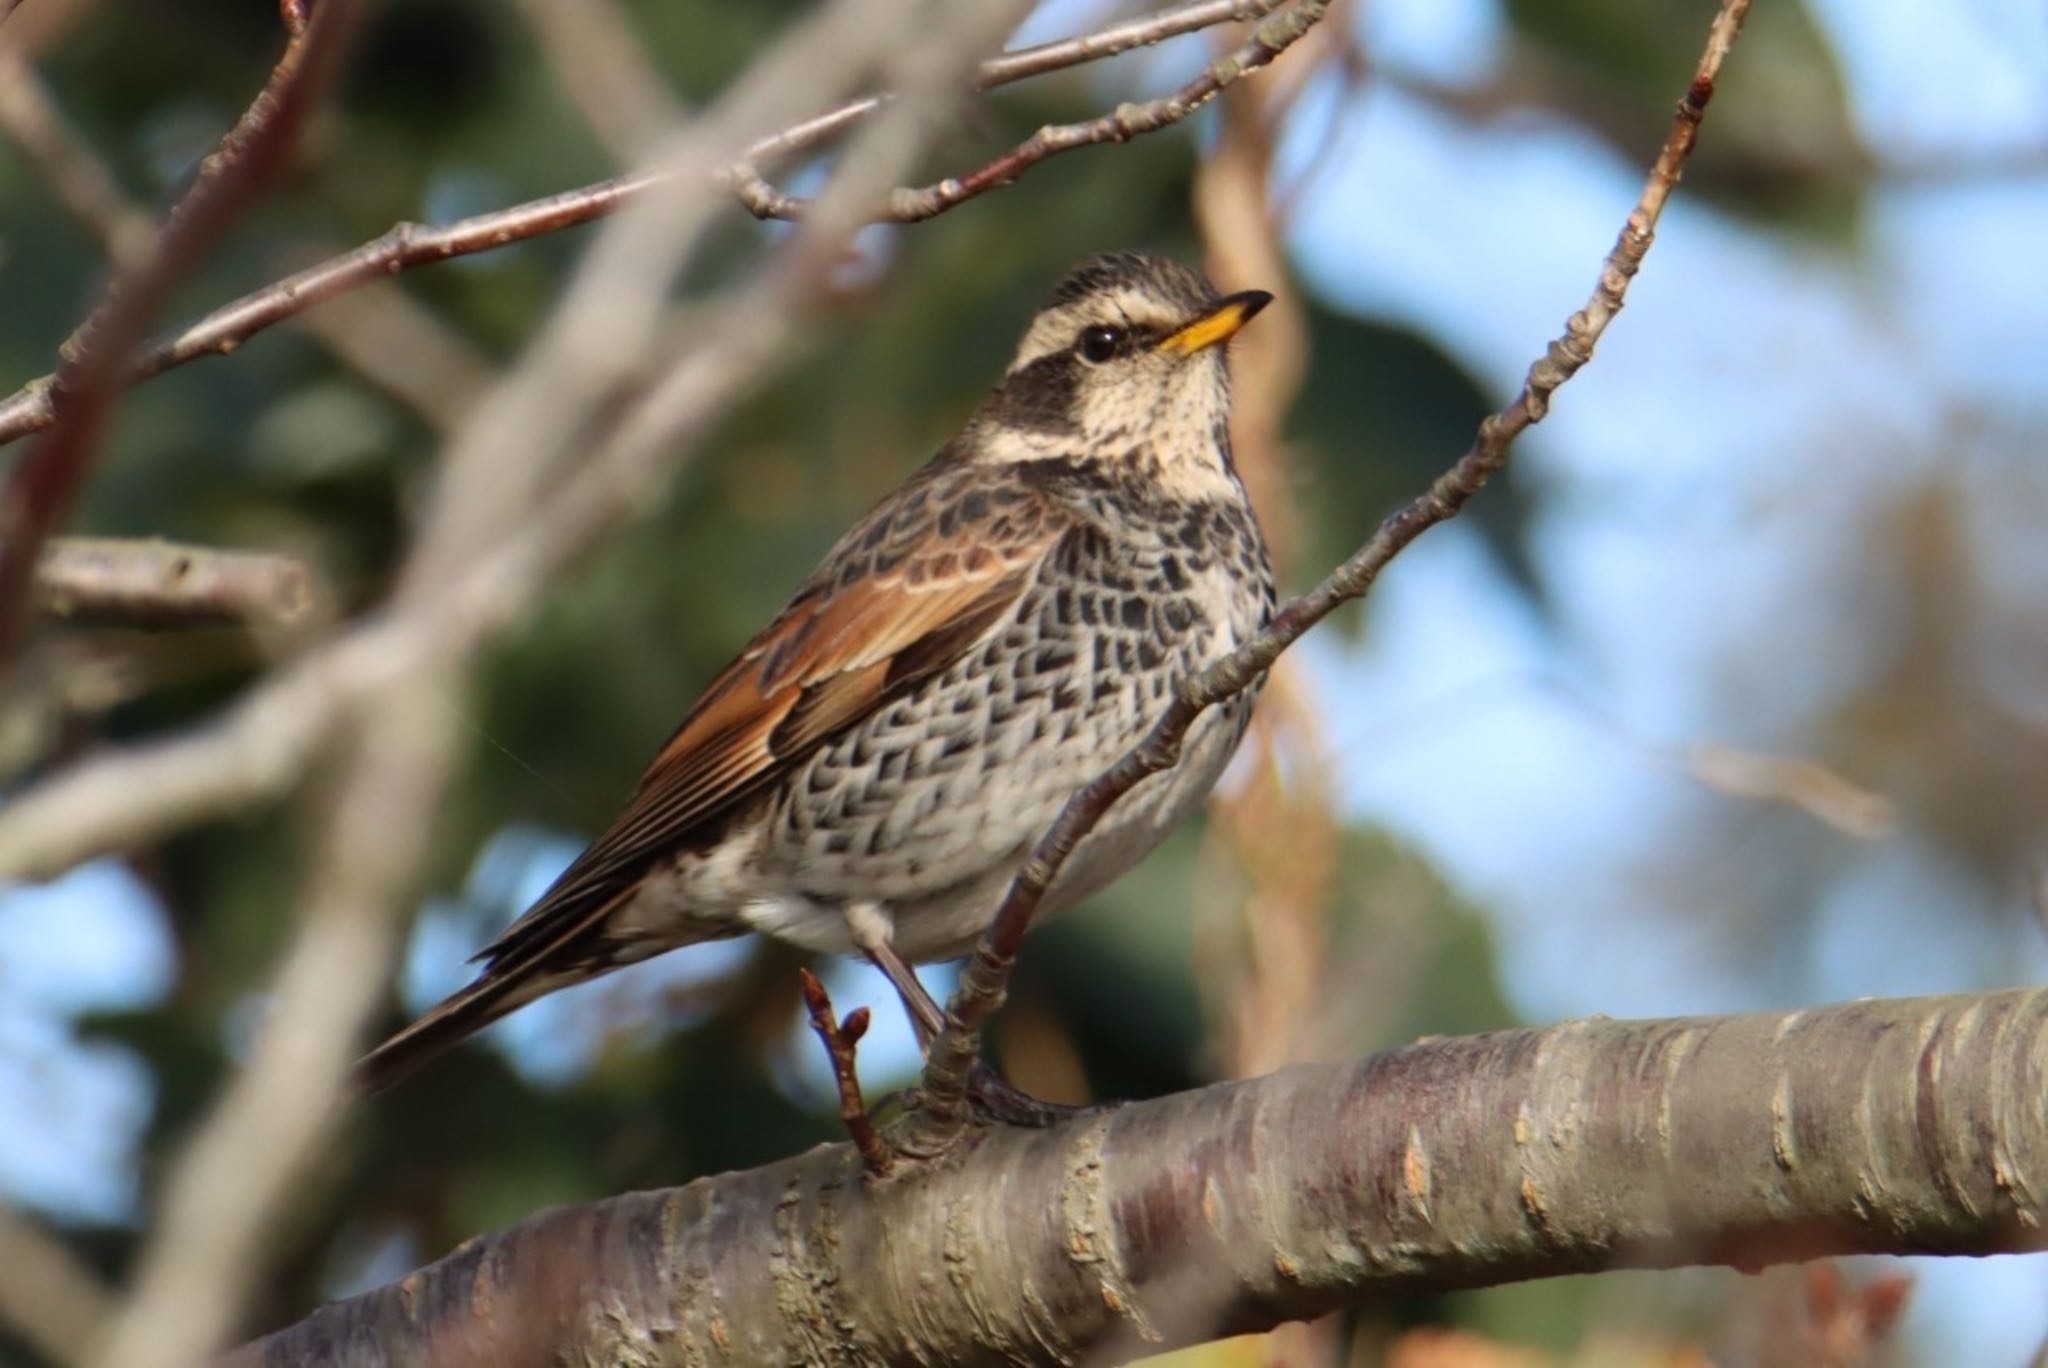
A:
1877, 1126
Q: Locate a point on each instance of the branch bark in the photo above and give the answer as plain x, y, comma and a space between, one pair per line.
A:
1903, 1126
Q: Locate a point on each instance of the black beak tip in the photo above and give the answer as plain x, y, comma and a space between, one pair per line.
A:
1251, 301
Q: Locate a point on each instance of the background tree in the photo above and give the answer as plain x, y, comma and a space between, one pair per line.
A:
1682, 696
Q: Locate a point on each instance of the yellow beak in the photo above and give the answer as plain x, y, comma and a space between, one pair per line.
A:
1217, 323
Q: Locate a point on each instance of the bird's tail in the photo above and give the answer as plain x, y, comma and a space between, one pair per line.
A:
450, 1022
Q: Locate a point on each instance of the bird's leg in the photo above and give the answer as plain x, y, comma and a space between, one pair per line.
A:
873, 929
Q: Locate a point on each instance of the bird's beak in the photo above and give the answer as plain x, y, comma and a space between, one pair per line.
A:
1217, 323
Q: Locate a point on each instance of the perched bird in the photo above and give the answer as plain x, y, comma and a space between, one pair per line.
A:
873, 769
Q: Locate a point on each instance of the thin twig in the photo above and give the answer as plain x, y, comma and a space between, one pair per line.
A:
1273, 36
841, 1040
93, 361
405, 246
1006, 69
943, 1111
113, 581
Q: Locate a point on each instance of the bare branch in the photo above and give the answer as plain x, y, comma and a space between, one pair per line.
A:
402, 247
1910, 1126
93, 361
112, 581
1272, 37
981, 987
377, 331
408, 245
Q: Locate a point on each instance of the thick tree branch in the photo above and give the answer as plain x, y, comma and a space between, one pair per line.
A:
1909, 1126
952, 1056
409, 245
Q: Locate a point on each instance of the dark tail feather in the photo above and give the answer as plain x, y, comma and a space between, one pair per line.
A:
522, 966
451, 1022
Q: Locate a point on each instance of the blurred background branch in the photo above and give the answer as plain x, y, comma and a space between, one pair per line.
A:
160, 584
31, 121
220, 1215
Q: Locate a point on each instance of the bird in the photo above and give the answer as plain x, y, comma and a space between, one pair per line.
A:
872, 771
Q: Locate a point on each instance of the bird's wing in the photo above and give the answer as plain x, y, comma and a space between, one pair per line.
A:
903, 595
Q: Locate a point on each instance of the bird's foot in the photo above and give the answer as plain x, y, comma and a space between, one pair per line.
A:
1005, 1102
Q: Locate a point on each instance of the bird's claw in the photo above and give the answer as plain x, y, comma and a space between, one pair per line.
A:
1003, 1101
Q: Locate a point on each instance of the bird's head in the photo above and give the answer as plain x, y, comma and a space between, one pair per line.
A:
1124, 363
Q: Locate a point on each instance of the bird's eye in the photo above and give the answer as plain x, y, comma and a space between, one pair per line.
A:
1100, 343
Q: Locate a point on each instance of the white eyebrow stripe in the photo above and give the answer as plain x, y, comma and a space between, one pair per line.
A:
1055, 330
